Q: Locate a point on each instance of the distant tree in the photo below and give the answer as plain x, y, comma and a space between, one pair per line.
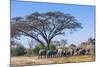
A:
30, 43
14, 43
57, 43
43, 27
29, 51
63, 42
91, 40
72, 45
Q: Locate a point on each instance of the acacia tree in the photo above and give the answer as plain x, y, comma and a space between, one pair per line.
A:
43, 27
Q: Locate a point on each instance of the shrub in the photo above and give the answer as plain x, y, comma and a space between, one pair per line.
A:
18, 51
52, 47
37, 48
29, 51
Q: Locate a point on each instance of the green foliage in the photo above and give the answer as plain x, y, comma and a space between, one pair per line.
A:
37, 48
18, 51
52, 47
29, 51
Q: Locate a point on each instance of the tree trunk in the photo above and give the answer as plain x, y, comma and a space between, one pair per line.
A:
48, 43
47, 46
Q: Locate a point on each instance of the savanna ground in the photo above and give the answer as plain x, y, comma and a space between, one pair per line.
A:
25, 61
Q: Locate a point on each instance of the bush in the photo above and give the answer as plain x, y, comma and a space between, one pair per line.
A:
18, 51
29, 51
52, 47
37, 48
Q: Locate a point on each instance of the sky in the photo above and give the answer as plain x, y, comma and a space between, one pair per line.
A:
83, 13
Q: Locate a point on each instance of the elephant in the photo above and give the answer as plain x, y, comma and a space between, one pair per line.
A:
64, 53
82, 52
77, 51
70, 52
42, 53
60, 52
51, 53
47, 53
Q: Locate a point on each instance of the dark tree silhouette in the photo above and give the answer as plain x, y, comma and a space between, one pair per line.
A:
43, 27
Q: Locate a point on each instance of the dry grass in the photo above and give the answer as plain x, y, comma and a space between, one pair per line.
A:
23, 61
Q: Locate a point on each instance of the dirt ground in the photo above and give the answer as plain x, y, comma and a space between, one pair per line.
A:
25, 61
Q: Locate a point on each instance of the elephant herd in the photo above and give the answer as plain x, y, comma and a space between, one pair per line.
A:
60, 52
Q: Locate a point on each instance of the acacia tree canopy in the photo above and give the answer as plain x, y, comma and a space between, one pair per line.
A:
43, 27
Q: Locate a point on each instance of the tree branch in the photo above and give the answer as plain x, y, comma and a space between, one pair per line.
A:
32, 37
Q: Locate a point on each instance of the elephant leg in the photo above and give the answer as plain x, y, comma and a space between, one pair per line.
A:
38, 56
41, 56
